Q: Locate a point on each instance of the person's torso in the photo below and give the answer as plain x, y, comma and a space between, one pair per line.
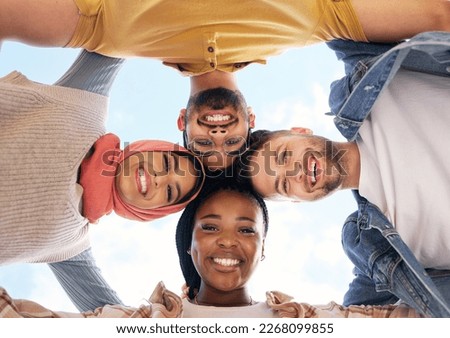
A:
405, 167
258, 310
45, 132
200, 36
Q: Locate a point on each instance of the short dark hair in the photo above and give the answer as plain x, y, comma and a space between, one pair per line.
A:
242, 167
185, 224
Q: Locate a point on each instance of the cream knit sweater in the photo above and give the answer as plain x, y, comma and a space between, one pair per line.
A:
45, 132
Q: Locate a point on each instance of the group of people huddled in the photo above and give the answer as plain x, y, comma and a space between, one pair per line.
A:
390, 106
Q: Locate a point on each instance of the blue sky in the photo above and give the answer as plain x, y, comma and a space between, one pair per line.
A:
304, 257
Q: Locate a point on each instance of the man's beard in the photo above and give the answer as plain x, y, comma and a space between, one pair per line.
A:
217, 98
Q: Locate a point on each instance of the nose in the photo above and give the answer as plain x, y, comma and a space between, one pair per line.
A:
218, 131
227, 240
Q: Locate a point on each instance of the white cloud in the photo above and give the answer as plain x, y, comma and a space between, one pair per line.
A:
305, 110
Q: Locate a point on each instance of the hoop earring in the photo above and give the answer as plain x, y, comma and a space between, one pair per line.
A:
188, 251
263, 257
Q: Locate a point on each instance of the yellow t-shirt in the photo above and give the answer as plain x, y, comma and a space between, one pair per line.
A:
196, 36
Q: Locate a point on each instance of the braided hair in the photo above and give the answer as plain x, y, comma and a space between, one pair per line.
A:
186, 223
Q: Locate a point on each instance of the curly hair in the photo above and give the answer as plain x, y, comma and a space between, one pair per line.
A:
186, 222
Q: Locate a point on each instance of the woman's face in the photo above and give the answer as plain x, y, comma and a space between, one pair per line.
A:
149, 180
227, 240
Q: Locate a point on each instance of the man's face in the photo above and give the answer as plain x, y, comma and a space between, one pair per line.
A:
216, 123
297, 167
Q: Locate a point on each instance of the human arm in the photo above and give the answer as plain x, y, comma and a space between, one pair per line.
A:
358, 57
376, 249
92, 72
387, 20
23, 308
44, 23
287, 307
354, 54
79, 276
83, 282
362, 291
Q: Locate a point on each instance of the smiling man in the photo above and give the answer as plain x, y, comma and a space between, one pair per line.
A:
396, 117
216, 122
294, 165
209, 40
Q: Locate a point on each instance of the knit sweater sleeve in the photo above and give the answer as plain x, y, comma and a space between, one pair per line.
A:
92, 72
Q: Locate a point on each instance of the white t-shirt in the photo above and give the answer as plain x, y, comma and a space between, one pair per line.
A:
405, 162
258, 310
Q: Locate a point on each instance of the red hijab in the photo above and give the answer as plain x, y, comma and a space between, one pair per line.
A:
98, 173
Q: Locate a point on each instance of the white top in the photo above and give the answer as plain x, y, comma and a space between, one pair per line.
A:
258, 310
405, 162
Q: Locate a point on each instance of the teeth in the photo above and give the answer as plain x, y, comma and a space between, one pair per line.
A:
217, 118
226, 261
143, 180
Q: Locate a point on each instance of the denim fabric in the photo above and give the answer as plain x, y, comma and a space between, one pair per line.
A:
378, 252
385, 268
352, 97
362, 291
83, 282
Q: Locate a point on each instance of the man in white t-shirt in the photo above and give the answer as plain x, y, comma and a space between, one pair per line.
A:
396, 119
399, 162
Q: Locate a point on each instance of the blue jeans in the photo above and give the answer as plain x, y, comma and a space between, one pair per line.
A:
83, 282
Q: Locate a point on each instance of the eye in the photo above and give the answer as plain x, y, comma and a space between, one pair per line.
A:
166, 163
203, 143
169, 194
248, 230
209, 227
285, 186
282, 157
232, 141
285, 156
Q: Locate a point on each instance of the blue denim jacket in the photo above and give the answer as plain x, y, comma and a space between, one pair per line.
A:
385, 268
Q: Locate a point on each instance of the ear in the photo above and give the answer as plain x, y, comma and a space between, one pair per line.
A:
180, 121
301, 130
251, 117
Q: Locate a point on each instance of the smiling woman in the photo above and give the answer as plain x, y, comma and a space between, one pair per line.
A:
155, 179
220, 241
147, 180
59, 174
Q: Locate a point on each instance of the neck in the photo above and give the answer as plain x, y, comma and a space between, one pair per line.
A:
350, 163
239, 297
213, 79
